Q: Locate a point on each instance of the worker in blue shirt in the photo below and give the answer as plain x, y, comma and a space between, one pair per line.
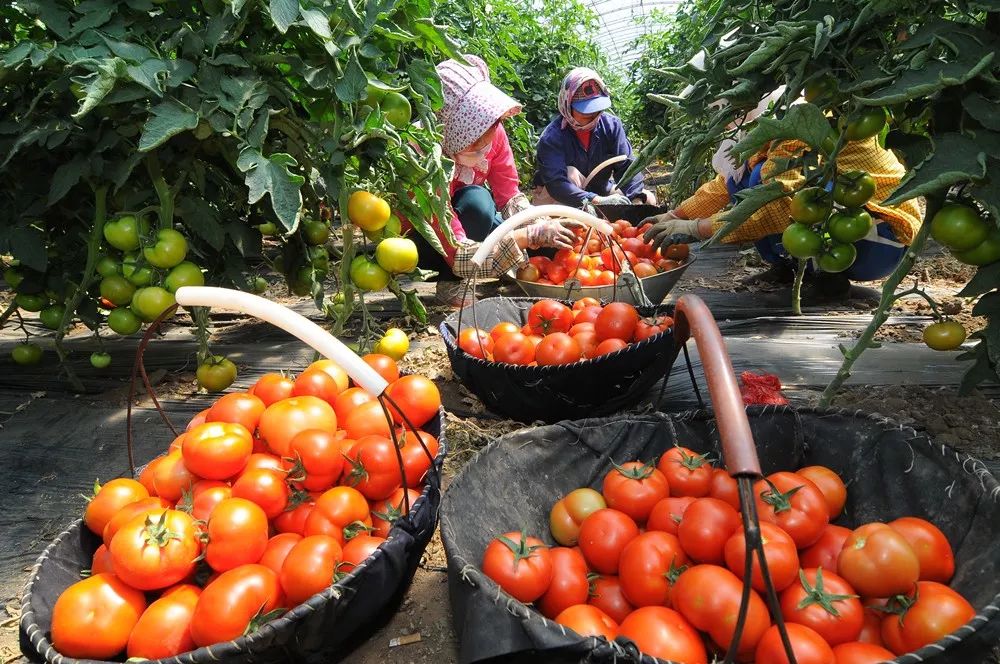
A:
585, 137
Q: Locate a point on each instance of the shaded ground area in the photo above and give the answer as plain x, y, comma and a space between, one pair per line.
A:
53, 444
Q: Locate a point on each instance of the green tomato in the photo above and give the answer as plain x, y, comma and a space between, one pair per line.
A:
986, 252
78, 90
203, 130
811, 205
26, 353
368, 275
52, 316
838, 258
216, 373
148, 303
319, 258
801, 241
820, 89
866, 124
268, 228
100, 360
31, 302
397, 255
315, 232
396, 109
303, 281
137, 276
122, 321
849, 226
12, 277
258, 285
107, 266
959, 227
117, 290
184, 274
392, 228
169, 250
854, 189
124, 233
944, 335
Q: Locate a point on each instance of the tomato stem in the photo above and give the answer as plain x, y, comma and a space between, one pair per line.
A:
779, 502
817, 595
800, 274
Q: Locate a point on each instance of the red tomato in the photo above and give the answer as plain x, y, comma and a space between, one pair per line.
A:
257, 461
294, 520
156, 549
109, 499
617, 321
375, 470
205, 501
228, 604
603, 536
569, 585
725, 488
418, 449
277, 550
605, 278
368, 419
383, 365
871, 630
348, 400
606, 594
475, 342
557, 348
588, 314
779, 551
649, 566
547, 316
830, 484
667, 513
317, 383
130, 511
571, 511
609, 346
808, 646
514, 348
706, 526
334, 370
309, 567
237, 408
521, 565
540, 261
661, 632
413, 401
358, 549
636, 246
860, 653
587, 620
386, 512
340, 508
266, 488
825, 552
878, 562
171, 477
634, 488
937, 560
164, 630
237, 534
92, 619
688, 473
643, 270
612, 259
271, 388
317, 456
926, 616
579, 328
217, 450
709, 597
281, 421
824, 602
677, 252
585, 302
101, 562
556, 272
588, 342
200, 417
503, 329
794, 504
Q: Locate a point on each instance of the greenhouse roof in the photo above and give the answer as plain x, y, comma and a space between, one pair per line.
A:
622, 22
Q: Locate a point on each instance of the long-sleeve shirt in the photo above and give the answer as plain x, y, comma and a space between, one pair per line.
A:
867, 155
560, 148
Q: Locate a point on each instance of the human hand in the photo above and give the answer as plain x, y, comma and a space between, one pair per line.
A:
549, 234
611, 199
668, 229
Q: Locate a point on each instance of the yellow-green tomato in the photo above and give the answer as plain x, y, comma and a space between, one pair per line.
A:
397, 255
184, 274
148, 303
393, 343
169, 249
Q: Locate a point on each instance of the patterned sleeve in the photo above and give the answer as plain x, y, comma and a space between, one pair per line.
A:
709, 199
506, 254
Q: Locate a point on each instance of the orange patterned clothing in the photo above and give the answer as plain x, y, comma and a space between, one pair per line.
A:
867, 155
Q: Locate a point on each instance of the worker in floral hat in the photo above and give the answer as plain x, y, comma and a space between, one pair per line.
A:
484, 186
584, 151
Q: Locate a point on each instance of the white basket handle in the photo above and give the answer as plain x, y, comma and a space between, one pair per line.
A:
289, 321
601, 166
532, 213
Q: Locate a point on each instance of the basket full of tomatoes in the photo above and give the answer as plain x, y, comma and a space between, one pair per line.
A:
844, 537
283, 524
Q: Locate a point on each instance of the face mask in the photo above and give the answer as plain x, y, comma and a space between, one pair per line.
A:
473, 159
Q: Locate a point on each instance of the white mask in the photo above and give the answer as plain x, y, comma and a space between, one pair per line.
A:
468, 162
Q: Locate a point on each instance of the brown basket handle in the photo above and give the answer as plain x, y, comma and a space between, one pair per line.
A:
692, 318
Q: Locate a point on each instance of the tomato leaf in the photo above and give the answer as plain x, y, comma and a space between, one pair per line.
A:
802, 122
199, 215
749, 201
956, 158
67, 176
980, 371
284, 13
986, 279
936, 76
318, 22
108, 72
271, 175
353, 85
27, 244
166, 121
983, 110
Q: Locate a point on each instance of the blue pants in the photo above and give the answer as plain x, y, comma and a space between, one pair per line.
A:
476, 209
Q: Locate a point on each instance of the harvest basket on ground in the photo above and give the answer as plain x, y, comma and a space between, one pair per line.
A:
890, 471
327, 625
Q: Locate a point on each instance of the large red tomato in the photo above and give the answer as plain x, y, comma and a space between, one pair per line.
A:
617, 321
164, 630
266, 488
156, 549
937, 560
558, 348
386, 512
634, 488
368, 419
309, 567
520, 565
649, 566
667, 514
569, 585
205, 501
92, 619
294, 519
170, 476
417, 399
236, 597
688, 473
547, 316
503, 329
129, 512
925, 616
709, 597
588, 314
272, 387
356, 551
725, 488
570, 511
603, 536
383, 365
334, 370
664, 633
419, 449
825, 552
237, 534
237, 408
109, 499
779, 551
826, 603
476, 342
101, 561
277, 550
794, 504
317, 383
340, 508
878, 562
217, 450
861, 653
285, 419
587, 620
514, 348
706, 526
606, 594
347, 401
830, 484
318, 461
808, 646
375, 469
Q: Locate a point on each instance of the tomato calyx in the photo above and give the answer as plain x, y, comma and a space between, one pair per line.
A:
260, 618
391, 514
339, 572
674, 573
358, 472
779, 502
899, 605
817, 595
296, 498
637, 472
354, 529
186, 503
521, 550
592, 579
157, 533
692, 461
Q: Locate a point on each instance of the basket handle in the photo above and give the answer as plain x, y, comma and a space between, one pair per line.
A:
532, 213
295, 324
692, 318
607, 162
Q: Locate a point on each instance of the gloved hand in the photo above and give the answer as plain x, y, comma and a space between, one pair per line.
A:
549, 234
668, 229
611, 199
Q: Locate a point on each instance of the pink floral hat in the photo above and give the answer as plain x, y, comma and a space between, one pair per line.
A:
471, 103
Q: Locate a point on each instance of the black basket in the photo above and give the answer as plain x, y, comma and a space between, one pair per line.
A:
634, 214
323, 629
890, 471
599, 386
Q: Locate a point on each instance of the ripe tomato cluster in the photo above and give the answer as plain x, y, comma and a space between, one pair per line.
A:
557, 334
657, 557
268, 497
592, 263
